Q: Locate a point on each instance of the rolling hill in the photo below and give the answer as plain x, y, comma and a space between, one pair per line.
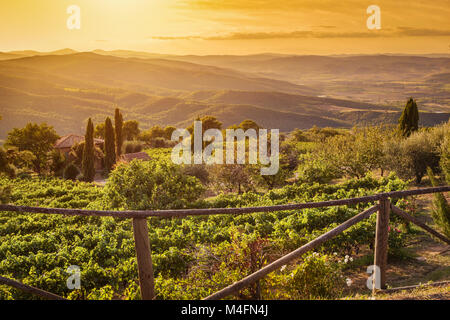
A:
65, 88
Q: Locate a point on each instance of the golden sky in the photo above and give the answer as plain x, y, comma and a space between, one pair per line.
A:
228, 26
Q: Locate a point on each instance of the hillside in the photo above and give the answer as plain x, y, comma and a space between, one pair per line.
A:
65, 88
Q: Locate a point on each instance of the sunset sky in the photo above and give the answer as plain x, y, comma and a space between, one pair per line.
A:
228, 26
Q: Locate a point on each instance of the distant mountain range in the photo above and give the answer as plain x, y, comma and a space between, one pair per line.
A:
65, 87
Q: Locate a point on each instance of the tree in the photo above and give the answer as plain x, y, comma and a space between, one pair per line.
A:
249, 124
410, 157
88, 164
57, 163
168, 132
71, 171
355, 153
144, 185
99, 131
231, 177
118, 121
38, 139
131, 130
110, 146
5, 164
409, 120
208, 122
150, 135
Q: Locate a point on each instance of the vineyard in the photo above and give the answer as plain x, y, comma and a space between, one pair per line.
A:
192, 257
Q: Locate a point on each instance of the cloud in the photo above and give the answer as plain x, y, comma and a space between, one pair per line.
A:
398, 32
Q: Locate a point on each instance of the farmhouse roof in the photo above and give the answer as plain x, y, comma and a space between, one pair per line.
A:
71, 139
128, 157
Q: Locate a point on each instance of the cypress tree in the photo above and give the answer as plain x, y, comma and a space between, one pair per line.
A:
118, 122
88, 153
110, 146
409, 120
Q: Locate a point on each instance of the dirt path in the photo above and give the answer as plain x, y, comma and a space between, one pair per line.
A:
425, 260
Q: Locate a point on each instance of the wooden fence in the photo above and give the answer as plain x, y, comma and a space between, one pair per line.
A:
143, 252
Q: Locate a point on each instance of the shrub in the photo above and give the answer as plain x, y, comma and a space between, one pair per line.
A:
57, 163
197, 170
441, 209
132, 147
357, 152
142, 185
5, 194
316, 170
71, 172
317, 277
410, 157
445, 153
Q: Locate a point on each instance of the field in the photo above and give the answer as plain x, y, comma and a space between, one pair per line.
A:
37, 249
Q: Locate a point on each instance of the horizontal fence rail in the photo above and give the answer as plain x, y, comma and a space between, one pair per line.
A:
143, 249
29, 289
180, 213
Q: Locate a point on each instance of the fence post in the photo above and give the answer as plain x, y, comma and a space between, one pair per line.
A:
144, 258
381, 241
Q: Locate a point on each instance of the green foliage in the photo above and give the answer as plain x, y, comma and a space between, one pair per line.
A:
132, 147
410, 157
316, 277
199, 171
193, 257
5, 164
157, 137
409, 120
118, 127
441, 208
312, 169
57, 163
38, 139
249, 124
88, 165
5, 194
168, 132
355, 153
231, 177
151, 185
445, 153
99, 131
110, 146
131, 130
71, 171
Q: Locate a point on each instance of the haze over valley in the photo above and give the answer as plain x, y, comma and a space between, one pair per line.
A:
64, 88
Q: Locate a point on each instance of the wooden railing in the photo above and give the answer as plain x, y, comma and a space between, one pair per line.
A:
143, 251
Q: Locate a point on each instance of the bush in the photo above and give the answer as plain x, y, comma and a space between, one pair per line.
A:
142, 185
197, 170
57, 163
316, 170
410, 157
132, 147
441, 209
71, 172
445, 153
5, 194
317, 277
